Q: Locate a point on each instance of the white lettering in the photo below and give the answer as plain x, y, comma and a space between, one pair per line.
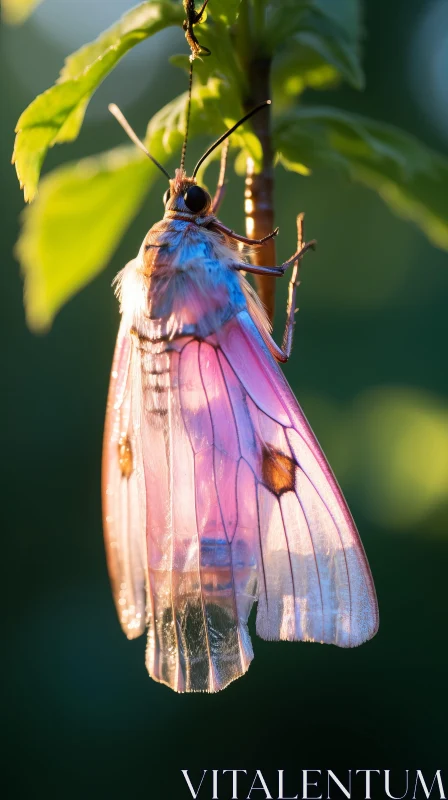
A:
190, 785
215, 784
368, 773
387, 785
427, 791
306, 784
281, 796
263, 786
234, 780
347, 792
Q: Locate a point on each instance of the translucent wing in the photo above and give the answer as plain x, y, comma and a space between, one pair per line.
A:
209, 459
123, 499
314, 580
202, 573
241, 505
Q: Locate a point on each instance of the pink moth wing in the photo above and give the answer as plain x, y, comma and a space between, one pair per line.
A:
230, 500
122, 500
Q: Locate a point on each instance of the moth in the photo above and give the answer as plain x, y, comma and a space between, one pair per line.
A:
216, 494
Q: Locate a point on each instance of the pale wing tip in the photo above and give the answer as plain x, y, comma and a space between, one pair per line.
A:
178, 685
132, 627
371, 631
132, 634
268, 637
192, 690
347, 639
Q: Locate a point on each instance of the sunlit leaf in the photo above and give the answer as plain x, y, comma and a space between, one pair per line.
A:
334, 51
75, 224
226, 10
223, 62
292, 166
57, 114
313, 46
60, 250
296, 70
411, 178
316, 44
214, 108
16, 11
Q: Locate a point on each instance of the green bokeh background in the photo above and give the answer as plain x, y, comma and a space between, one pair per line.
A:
369, 366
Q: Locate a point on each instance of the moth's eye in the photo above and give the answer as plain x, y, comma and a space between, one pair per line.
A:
166, 196
195, 198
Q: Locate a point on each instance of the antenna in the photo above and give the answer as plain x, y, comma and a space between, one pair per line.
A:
187, 120
228, 133
133, 136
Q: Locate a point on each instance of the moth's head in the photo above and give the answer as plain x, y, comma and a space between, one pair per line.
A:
184, 196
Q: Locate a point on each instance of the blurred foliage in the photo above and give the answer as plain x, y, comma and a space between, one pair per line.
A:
403, 435
57, 115
312, 30
16, 11
108, 189
408, 176
99, 195
311, 43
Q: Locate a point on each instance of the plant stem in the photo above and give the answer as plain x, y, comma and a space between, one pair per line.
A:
259, 208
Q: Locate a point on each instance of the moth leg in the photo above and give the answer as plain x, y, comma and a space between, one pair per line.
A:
221, 187
280, 270
276, 272
218, 226
283, 353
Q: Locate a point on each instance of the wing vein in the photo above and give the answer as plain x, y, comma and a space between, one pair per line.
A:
290, 562
250, 394
236, 431
240, 647
257, 483
207, 638
169, 441
311, 482
315, 561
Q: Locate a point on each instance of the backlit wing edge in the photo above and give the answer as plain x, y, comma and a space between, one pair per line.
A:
316, 583
123, 500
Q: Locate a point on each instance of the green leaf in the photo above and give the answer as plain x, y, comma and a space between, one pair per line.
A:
214, 108
223, 63
74, 226
346, 13
296, 70
225, 10
57, 114
309, 35
290, 16
335, 51
15, 12
60, 250
292, 166
412, 179
281, 22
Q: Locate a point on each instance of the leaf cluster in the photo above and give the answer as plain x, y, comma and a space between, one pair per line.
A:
310, 44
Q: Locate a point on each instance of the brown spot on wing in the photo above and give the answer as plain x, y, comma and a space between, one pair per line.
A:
125, 456
278, 471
